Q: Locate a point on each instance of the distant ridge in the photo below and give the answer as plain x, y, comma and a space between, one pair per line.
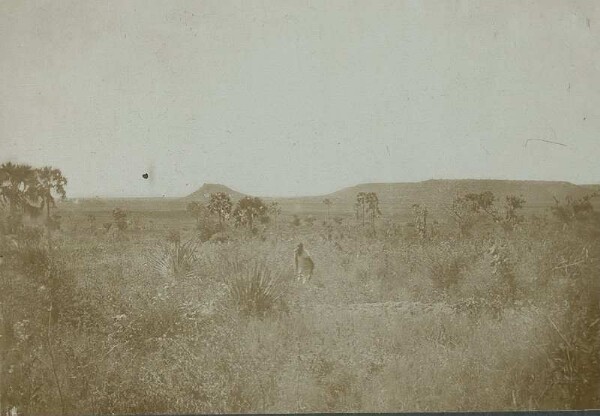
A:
433, 193
428, 189
203, 193
438, 194
394, 198
442, 191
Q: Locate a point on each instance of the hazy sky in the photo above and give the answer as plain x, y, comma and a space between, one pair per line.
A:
299, 97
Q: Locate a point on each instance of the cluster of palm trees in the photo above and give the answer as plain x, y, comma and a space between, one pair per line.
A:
245, 212
28, 190
367, 203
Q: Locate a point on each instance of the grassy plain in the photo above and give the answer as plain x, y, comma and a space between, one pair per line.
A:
389, 321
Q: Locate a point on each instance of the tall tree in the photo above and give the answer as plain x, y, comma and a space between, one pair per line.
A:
420, 219
372, 202
220, 204
248, 209
361, 205
19, 187
51, 182
274, 209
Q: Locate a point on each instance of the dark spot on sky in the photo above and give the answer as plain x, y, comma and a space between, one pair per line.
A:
145, 176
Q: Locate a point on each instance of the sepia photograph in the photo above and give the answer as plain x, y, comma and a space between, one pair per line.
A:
299, 206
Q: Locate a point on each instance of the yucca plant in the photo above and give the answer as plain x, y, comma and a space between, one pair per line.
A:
175, 259
254, 289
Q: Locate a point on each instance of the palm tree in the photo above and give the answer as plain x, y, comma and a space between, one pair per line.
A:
18, 187
220, 204
361, 203
50, 182
372, 202
249, 208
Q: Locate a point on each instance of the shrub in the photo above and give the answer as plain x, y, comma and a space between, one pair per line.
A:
174, 259
445, 263
254, 290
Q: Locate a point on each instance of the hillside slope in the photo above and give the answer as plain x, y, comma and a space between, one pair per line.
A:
203, 193
437, 194
433, 192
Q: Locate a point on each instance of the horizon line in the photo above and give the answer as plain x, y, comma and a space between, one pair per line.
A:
326, 194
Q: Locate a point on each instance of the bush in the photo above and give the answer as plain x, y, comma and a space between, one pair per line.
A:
446, 263
253, 289
175, 259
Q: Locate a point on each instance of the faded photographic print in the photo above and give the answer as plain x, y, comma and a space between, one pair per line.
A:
297, 206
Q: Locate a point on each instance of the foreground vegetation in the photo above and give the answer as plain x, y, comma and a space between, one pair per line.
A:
488, 312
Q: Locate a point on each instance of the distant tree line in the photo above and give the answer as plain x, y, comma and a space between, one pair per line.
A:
465, 210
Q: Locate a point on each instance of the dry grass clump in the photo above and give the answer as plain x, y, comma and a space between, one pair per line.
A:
175, 258
253, 288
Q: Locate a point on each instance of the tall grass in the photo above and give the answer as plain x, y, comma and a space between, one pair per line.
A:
388, 324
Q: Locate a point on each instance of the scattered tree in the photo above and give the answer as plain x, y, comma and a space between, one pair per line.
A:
274, 209
420, 219
372, 202
51, 182
248, 209
573, 209
19, 188
467, 209
361, 206
220, 204
367, 202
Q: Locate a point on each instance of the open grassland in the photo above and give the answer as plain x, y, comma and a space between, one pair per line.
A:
98, 320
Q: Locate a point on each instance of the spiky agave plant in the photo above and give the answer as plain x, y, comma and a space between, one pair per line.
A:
253, 288
175, 259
